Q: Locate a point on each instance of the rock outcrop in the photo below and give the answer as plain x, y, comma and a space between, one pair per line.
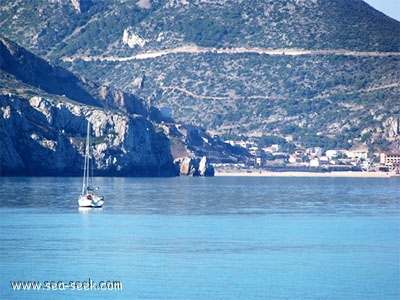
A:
194, 166
392, 127
81, 5
192, 141
205, 168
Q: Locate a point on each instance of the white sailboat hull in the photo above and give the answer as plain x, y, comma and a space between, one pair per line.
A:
90, 201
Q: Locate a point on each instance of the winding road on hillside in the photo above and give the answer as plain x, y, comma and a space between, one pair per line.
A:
189, 93
192, 49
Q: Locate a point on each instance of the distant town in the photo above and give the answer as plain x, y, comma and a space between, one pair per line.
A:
315, 159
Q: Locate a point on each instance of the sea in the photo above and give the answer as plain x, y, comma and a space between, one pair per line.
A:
201, 238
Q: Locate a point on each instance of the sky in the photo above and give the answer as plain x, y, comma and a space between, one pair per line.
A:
390, 8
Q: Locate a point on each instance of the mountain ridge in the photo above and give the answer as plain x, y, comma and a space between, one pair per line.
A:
322, 24
291, 68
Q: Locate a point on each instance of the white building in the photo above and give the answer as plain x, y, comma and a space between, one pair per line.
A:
332, 153
314, 162
357, 154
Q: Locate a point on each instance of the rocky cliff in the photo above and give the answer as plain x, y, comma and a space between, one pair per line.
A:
44, 113
42, 136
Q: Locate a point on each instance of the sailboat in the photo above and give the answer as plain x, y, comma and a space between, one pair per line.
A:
88, 197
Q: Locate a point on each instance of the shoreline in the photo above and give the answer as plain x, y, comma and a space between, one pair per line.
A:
337, 174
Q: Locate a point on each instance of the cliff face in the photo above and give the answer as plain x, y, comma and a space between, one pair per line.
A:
43, 119
42, 136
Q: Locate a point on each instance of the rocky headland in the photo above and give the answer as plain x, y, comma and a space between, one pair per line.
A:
44, 113
45, 110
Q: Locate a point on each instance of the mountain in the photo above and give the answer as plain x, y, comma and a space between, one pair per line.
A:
316, 72
103, 27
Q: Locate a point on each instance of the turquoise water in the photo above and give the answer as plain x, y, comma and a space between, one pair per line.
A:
204, 238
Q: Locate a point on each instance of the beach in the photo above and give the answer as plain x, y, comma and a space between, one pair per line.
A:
265, 173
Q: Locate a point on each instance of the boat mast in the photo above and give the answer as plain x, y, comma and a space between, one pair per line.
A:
85, 182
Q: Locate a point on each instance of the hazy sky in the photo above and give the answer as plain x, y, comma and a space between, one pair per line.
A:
390, 8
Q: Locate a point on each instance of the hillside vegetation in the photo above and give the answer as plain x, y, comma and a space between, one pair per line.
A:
320, 72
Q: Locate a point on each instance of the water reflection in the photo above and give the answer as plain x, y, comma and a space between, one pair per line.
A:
89, 210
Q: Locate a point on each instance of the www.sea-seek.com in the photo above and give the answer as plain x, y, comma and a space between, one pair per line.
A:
86, 285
